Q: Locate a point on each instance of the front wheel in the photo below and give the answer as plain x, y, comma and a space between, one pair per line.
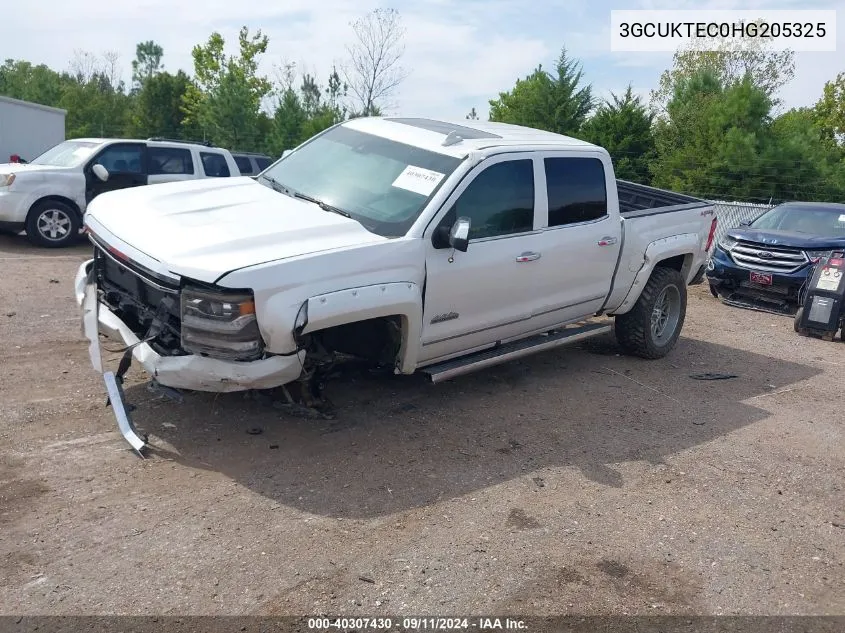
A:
651, 328
53, 224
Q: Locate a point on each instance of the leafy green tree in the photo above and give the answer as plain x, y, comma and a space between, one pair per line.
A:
302, 113
710, 143
556, 102
225, 98
157, 107
720, 141
19, 79
623, 126
768, 69
801, 163
829, 111
95, 108
147, 62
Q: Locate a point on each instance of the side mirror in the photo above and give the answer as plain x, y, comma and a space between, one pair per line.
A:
459, 235
100, 172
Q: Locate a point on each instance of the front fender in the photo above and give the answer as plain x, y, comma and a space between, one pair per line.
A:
403, 299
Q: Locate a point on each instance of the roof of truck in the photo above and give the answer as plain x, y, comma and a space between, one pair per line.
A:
431, 134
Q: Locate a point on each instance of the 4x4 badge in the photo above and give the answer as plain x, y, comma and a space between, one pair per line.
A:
449, 316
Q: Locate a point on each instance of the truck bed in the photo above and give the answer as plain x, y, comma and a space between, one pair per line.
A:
640, 200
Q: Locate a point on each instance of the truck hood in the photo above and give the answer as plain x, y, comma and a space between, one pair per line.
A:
203, 229
804, 241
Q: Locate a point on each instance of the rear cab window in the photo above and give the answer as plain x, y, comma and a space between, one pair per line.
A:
214, 165
577, 190
169, 160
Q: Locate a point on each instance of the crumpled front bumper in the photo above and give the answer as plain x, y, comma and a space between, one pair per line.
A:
191, 372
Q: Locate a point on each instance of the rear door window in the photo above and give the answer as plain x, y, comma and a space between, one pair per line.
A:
263, 163
214, 165
244, 165
577, 190
170, 160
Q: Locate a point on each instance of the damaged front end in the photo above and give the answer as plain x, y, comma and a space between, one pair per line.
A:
186, 335
113, 382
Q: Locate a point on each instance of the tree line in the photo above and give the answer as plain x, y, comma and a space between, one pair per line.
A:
714, 127
227, 100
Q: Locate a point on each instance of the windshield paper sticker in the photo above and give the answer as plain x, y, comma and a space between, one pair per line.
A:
842, 218
418, 180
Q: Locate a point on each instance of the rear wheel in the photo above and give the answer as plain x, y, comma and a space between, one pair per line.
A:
53, 224
652, 327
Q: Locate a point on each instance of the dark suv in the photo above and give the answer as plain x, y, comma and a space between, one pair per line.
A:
766, 261
251, 164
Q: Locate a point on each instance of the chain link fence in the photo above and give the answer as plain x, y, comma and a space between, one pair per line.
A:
730, 214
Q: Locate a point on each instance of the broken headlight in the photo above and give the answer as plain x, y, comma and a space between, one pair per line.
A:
220, 324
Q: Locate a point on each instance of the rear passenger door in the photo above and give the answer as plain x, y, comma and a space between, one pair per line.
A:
581, 236
169, 164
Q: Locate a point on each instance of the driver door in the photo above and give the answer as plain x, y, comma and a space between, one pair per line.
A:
126, 164
483, 295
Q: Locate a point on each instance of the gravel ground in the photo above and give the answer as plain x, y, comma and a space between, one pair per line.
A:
576, 481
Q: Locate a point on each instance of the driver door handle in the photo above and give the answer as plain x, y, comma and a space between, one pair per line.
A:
607, 241
528, 256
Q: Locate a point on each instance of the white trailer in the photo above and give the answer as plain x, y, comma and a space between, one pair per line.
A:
28, 129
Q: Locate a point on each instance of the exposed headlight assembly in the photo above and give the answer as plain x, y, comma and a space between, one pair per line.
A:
6, 180
220, 324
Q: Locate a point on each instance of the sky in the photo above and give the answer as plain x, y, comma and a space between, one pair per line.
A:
459, 54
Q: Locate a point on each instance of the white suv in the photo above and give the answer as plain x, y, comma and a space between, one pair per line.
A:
48, 196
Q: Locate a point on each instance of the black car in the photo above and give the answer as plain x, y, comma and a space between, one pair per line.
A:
766, 261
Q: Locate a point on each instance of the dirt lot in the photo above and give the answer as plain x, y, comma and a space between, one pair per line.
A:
577, 481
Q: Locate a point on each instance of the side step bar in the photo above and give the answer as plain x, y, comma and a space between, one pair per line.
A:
510, 351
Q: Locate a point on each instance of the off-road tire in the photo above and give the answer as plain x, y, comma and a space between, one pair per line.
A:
633, 329
63, 210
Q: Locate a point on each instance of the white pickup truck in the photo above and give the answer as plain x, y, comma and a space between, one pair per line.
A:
423, 245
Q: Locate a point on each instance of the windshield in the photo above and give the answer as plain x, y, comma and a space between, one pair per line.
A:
380, 183
821, 221
67, 154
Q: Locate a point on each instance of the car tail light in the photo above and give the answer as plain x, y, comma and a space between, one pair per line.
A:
712, 234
